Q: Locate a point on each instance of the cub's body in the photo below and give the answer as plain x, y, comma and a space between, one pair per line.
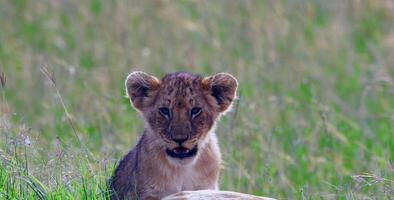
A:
141, 175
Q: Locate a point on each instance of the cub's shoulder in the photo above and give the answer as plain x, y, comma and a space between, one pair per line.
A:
122, 182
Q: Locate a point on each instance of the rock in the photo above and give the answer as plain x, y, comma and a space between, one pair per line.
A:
213, 194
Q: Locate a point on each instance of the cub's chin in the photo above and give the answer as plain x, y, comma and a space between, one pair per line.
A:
181, 155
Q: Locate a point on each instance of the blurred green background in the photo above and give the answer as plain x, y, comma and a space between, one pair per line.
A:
314, 118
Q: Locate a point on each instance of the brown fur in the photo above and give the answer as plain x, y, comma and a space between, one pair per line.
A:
148, 171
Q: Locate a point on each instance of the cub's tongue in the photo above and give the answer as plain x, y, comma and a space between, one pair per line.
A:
180, 150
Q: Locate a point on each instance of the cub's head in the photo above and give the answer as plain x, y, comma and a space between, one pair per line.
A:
181, 108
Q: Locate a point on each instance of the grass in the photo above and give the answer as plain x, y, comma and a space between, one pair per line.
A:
314, 119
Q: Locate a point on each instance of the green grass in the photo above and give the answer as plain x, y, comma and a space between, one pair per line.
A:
314, 118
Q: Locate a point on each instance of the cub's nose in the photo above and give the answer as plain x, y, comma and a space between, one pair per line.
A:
179, 140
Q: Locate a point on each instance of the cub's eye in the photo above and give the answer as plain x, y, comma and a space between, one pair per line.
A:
195, 112
165, 112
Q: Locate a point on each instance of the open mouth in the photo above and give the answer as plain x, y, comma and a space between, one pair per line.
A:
182, 152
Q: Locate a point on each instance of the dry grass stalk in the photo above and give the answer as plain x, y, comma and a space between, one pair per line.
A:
3, 79
50, 75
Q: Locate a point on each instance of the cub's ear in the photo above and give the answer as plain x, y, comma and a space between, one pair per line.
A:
222, 87
141, 89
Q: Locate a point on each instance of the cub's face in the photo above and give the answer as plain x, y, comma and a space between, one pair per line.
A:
181, 108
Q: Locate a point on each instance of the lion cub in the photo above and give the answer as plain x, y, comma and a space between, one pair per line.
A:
178, 150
